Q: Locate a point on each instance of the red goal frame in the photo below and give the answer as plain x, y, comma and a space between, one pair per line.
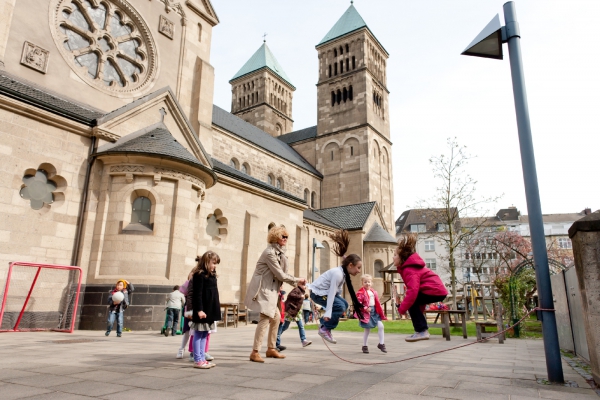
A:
39, 269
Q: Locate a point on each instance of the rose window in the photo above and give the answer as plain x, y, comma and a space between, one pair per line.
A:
108, 43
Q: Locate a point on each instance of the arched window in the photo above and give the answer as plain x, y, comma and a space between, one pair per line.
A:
334, 52
351, 150
279, 183
335, 68
342, 67
324, 258
244, 168
270, 180
378, 268
233, 163
347, 48
345, 95
140, 211
330, 70
350, 93
306, 194
339, 96
353, 62
199, 33
347, 64
313, 200
271, 226
332, 99
341, 50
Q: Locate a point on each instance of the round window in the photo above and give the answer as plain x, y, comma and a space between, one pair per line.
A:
106, 42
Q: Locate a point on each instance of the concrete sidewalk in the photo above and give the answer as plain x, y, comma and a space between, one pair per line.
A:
142, 365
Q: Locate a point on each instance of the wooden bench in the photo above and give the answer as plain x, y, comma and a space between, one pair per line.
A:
480, 327
447, 321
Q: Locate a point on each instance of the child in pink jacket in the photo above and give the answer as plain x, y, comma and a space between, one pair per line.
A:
372, 313
423, 286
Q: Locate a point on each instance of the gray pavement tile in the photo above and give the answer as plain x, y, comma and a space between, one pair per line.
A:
421, 380
581, 394
149, 382
257, 373
258, 394
144, 394
493, 388
462, 394
262, 383
517, 397
12, 391
6, 374
462, 377
392, 389
367, 378
93, 388
336, 389
169, 373
309, 378
60, 370
303, 369
208, 388
44, 380
302, 396
59, 396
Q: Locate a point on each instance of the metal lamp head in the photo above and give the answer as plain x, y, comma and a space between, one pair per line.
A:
488, 43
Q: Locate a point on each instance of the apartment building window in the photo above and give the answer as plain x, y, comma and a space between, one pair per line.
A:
442, 227
430, 263
565, 243
430, 245
417, 227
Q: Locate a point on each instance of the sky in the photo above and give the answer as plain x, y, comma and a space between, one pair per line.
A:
435, 93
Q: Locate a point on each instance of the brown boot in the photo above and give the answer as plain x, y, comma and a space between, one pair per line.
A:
254, 356
273, 353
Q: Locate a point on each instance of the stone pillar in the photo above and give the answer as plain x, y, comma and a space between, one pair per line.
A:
6, 13
585, 234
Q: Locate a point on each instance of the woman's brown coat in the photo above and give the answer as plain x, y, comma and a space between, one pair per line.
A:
269, 275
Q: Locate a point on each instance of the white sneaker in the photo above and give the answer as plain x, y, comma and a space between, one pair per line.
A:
191, 359
180, 353
208, 357
306, 343
415, 337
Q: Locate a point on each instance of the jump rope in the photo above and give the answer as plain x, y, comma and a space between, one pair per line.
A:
315, 312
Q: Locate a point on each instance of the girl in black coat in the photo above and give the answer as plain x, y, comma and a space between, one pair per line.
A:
206, 308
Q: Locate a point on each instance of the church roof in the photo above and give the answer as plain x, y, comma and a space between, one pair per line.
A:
349, 22
313, 216
300, 135
352, 217
252, 134
263, 58
152, 140
378, 234
31, 93
225, 169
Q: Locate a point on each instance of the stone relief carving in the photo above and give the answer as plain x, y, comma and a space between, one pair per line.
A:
166, 27
180, 175
127, 168
171, 6
35, 57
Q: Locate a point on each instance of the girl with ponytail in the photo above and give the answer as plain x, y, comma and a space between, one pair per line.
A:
423, 286
326, 290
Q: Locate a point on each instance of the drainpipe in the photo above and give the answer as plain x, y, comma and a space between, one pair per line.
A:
83, 203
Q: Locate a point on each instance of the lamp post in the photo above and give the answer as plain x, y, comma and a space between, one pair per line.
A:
316, 245
488, 44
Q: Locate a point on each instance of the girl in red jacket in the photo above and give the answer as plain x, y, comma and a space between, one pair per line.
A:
371, 311
423, 286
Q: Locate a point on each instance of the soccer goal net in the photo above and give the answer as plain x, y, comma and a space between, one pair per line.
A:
39, 297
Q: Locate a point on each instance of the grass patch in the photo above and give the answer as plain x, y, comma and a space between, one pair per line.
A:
403, 327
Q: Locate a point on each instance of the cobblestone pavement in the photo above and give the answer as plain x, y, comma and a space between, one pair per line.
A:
142, 365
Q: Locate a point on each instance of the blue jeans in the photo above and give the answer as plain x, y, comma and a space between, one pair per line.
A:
111, 320
173, 318
339, 307
306, 315
284, 327
199, 343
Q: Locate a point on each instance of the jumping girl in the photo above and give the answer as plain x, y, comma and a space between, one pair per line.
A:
372, 313
326, 289
206, 308
423, 286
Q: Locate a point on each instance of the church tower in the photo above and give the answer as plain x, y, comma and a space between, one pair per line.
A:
262, 93
353, 147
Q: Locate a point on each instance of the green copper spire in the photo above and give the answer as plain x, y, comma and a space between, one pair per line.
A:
349, 22
263, 58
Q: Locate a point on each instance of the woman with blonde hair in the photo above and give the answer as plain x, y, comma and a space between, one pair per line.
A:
263, 292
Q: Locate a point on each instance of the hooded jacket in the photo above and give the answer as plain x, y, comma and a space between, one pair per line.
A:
363, 298
293, 303
418, 279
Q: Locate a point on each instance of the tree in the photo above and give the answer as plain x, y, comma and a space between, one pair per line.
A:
455, 198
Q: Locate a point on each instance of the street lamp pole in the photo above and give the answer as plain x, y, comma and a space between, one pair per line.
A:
315, 245
489, 44
534, 209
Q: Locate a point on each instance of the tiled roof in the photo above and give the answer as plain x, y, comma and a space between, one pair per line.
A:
263, 58
30, 93
350, 217
378, 234
234, 173
251, 133
313, 216
297, 136
154, 140
428, 216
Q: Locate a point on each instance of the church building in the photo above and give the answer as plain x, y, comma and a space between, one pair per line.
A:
116, 160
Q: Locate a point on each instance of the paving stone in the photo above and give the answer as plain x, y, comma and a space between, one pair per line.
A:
7, 374
12, 391
392, 389
59, 396
144, 394
258, 394
336, 389
493, 388
93, 388
44, 380
462, 394
149, 382
584, 394
309, 378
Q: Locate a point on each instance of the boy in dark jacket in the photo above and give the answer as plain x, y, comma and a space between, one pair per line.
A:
292, 307
116, 308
